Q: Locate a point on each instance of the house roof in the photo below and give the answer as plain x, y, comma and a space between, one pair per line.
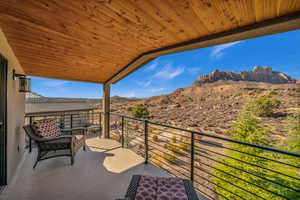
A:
102, 41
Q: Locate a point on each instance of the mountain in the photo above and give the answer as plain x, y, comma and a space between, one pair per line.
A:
212, 106
258, 74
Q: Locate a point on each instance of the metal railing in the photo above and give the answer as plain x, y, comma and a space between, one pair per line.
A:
219, 167
68, 119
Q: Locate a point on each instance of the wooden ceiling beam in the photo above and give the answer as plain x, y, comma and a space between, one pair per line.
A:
267, 27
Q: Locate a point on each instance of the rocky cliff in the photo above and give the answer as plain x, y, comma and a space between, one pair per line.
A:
258, 74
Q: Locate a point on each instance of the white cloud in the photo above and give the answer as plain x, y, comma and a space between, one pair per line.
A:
218, 51
169, 72
147, 83
144, 83
54, 83
151, 67
154, 90
129, 94
193, 70
140, 93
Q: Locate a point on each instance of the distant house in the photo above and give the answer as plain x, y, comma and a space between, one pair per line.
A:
30, 95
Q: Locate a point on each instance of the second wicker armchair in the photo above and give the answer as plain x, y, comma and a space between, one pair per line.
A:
54, 142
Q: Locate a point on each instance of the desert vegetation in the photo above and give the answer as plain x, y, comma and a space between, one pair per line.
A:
259, 113
140, 111
235, 168
263, 106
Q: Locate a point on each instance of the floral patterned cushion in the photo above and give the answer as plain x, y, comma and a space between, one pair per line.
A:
158, 188
46, 128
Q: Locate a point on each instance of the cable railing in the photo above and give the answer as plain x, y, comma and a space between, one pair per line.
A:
219, 167
68, 119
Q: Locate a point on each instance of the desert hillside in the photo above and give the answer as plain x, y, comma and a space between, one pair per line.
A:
212, 106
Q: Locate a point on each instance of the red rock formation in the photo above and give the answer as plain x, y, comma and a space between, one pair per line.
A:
258, 74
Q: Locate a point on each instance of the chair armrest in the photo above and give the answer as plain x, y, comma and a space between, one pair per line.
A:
73, 129
70, 137
70, 130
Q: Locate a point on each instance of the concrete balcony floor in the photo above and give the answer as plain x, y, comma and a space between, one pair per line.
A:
103, 172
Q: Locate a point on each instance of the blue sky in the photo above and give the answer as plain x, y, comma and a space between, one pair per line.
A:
167, 73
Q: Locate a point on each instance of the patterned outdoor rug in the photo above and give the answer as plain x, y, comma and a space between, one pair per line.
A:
160, 188
1, 189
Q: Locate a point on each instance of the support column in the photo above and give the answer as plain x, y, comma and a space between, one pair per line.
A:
106, 110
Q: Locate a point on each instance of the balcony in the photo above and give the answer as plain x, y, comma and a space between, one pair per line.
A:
102, 172
256, 172
103, 42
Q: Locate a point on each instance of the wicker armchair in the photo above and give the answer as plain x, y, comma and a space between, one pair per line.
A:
51, 140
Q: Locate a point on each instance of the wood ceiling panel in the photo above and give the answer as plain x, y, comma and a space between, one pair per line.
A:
66, 59
213, 15
68, 22
93, 40
242, 10
266, 9
286, 7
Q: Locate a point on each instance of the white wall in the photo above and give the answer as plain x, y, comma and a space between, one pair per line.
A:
15, 110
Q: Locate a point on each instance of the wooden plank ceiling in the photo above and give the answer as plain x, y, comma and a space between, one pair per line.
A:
92, 40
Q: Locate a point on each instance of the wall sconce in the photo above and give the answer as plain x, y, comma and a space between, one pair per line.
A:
24, 82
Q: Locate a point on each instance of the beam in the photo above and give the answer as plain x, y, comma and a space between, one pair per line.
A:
267, 27
106, 110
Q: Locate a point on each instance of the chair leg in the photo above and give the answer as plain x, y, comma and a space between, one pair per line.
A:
37, 158
72, 157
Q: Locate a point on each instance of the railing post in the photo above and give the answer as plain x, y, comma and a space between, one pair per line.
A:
146, 140
71, 125
62, 117
92, 117
192, 156
30, 141
100, 124
123, 132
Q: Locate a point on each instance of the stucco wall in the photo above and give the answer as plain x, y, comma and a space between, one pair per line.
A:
15, 110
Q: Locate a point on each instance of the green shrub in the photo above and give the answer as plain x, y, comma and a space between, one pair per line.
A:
154, 131
274, 93
295, 124
249, 129
293, 141
174, 139
155, 138
185, 147
140, 111
156, 161
238, 95
169, 157
115, 136
255, 92
172, 148
263, 106
294, 94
